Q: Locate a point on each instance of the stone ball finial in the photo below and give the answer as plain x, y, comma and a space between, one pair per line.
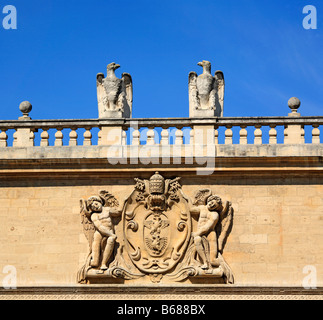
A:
294, 103
25, 107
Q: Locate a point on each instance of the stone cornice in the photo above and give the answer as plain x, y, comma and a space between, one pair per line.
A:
187, 292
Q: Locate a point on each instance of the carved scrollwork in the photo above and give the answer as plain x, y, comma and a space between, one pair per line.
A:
133, 225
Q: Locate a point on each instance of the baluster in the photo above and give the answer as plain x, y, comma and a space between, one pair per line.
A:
32, 138
228, 135
124, 138
316, 134
87, 137
216, 135
302, 134
164, 141
58, 138
15, 139
3, 139
44, 138
179, 137
258, 134
272, 134
192, 134
73, 138
100, 137
136, 138
243, 135
285, 134
150, 137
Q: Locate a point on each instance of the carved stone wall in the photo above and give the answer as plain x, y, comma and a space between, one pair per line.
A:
276, 230
156, 235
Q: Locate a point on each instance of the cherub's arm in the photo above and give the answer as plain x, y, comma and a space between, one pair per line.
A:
195, 210
192, 208
116, 212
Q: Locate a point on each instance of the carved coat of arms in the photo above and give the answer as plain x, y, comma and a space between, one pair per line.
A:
157, 232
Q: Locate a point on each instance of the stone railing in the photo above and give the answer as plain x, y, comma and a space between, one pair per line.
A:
292, 129
161, 131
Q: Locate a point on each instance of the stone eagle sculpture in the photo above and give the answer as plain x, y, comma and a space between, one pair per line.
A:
114, 94
206, 93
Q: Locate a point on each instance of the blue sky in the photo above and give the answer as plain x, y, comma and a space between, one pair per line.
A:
261, 46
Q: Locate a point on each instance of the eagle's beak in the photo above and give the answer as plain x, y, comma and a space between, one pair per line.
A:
116, 66
200, 64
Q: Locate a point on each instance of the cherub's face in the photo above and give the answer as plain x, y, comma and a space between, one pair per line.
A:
96, 206
214, 204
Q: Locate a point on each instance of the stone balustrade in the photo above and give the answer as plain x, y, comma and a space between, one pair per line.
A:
291, 129
163, 131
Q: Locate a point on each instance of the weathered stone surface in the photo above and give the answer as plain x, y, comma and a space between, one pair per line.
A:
42, 236
114, 95
206, 93
275, 189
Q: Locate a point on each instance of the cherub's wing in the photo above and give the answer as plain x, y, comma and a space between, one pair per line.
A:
88, 227
219, 87
109, 199
201, 196
224, 225
128, 88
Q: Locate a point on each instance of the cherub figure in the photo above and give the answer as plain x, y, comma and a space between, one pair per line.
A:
213, 227
208, 219
99, 211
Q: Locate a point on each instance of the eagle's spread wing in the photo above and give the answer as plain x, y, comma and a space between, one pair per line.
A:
88, 227
224, 225
101, 93
219, 87
192, 89
160, 246
128, 90
192, 78
201, 196
99, 78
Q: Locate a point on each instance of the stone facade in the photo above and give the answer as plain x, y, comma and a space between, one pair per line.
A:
252, 210
276, 232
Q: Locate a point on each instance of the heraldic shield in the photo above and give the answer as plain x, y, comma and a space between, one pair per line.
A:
157, 225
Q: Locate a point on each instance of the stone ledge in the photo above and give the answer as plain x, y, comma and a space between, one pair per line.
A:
188, 290
171, 151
